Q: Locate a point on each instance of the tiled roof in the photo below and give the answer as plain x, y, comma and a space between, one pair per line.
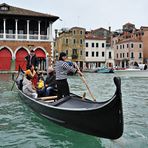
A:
100, 29
128, 24
129, 40
23, 12
77, 28
93, 37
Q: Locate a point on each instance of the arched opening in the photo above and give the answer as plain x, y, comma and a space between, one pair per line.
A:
42, 58
20, 59
5, 59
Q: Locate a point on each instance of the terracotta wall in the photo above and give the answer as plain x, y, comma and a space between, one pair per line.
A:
145, 44
15, 44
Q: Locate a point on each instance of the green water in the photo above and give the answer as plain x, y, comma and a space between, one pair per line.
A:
20, 127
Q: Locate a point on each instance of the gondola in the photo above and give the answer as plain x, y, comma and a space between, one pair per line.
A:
101, 119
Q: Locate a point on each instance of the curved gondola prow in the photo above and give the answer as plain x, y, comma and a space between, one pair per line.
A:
117, 81
119, 110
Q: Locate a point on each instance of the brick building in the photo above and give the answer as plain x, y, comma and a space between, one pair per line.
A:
22, 30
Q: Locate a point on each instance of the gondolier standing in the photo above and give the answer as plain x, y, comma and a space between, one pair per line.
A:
61, 69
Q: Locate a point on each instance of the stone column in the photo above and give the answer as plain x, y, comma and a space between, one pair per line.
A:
4, 25
28, 29
50, 37
39, 30
16, 29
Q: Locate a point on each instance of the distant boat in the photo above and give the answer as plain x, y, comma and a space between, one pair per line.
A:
128, 69
104, 70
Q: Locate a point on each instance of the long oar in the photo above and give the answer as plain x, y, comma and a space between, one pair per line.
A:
13, 82
83, 79
15, 78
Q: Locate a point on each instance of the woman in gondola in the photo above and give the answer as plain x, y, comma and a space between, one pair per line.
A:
61, 69
28, 88
31, 71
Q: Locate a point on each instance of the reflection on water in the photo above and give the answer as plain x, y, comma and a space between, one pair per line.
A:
21, 127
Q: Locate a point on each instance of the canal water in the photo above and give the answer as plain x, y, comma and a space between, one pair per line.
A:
20, 127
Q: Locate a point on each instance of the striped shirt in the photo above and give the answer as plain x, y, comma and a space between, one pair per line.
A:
61, 69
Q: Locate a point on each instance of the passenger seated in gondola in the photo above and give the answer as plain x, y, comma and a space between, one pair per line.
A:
28, 88
41, 87
50, 82
31, 71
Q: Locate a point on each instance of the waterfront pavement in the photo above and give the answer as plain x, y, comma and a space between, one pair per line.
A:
8, 72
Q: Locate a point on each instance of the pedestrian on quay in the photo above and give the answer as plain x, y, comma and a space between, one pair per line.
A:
61, 69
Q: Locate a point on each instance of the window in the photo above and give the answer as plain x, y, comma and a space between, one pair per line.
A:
86, 53
97, 45
123, 55
74, 32
97, 54
92, 44
127, 55
66, 41
110, 55
140, 55
120, 55
92, 53
140, 45
81, 32
103, 54
102, 45
74, 41
86, 44
132, 55
117, 46
117, 55
67, 52
123, 46
120, 46
132, 45
81, 41
3, 8
81, 52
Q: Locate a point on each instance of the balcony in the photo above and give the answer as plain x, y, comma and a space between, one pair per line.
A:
30, 37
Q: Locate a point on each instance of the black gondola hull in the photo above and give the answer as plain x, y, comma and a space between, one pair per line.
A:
103, 119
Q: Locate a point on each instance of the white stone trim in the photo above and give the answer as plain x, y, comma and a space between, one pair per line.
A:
19, 48
11, 51
46, 53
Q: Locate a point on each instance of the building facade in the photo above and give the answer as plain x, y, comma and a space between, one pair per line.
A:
128, 46
72, 41
144, 37
22, 30
94, 51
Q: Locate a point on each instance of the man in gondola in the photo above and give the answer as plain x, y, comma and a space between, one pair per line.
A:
61, 69
32, 60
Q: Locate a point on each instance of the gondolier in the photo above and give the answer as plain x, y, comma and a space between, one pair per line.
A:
61, 69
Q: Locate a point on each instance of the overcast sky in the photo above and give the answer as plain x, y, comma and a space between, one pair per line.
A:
89, 14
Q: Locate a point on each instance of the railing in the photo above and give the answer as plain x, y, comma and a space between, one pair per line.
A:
23, 37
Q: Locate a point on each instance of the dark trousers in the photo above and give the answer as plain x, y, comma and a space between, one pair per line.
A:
63, 88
